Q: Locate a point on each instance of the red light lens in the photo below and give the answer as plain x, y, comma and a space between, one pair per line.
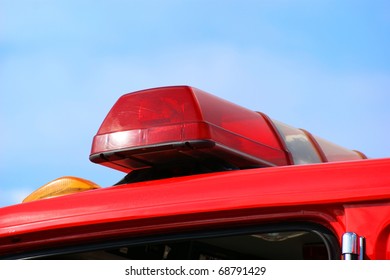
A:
151, 108
143, 126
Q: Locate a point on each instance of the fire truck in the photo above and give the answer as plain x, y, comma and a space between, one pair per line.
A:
206, 179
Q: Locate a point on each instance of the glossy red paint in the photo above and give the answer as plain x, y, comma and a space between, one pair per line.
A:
332, 194
371, 220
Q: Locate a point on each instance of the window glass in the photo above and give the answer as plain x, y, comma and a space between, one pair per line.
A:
274, 245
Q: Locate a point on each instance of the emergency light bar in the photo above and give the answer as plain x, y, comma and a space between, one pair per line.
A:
174, 131
179, 125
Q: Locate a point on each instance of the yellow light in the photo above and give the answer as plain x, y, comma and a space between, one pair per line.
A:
61, 186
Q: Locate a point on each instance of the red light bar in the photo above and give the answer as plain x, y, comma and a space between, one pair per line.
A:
171, 125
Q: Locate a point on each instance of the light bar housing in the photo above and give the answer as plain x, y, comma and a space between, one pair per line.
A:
180, 124
181, 127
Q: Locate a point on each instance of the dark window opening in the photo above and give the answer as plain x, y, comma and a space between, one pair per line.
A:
279, 244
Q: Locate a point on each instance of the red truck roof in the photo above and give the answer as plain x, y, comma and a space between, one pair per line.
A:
88, 214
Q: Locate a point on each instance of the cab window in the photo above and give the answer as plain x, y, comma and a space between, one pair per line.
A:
278, 243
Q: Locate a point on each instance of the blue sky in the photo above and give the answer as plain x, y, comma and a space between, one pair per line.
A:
319, 65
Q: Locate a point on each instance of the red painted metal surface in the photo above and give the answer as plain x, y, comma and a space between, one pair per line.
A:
323, 193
